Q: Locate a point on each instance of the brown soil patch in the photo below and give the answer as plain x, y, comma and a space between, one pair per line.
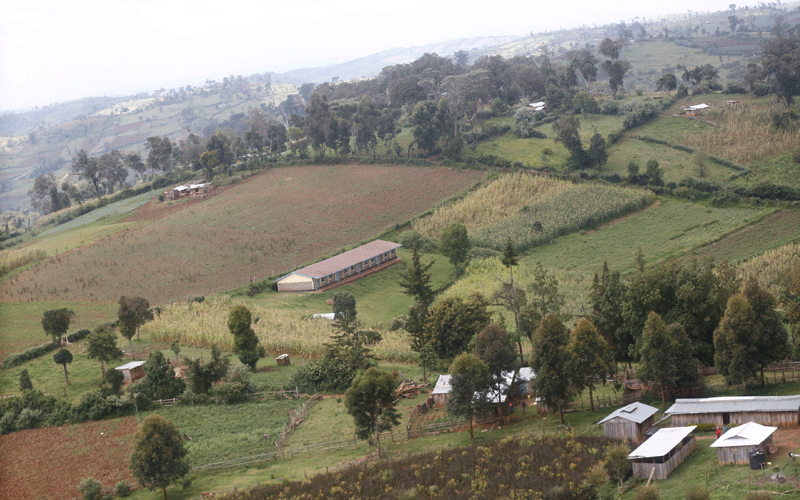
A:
50, 463
264, 225
626, 217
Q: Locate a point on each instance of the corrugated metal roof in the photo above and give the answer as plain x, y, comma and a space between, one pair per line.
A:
347, 259
635, 412
442, 385
130, 366
735, 404
660, 443
499, 395
526, 373
749, 434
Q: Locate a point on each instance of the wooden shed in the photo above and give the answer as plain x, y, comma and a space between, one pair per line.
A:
663, 452
629, 422
132, 371
780, 411
441, 390
736, 445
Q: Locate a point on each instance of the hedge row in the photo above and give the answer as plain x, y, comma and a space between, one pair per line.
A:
742, 170
17, 359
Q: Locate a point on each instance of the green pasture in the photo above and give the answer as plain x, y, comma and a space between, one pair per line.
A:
677, 165
379, 298
664, 231
21, 322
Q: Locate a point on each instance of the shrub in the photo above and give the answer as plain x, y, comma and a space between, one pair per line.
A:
735, 88
697, 493
92, 489
424, 244
681, 92
647, 493
195, 298
231, 392
761, 89
123, 489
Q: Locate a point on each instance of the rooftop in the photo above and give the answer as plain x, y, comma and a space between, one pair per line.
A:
662, 442
635, 412
347, 259
749, 434
735, 404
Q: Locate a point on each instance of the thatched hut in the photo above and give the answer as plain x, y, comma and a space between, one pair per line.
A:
663, 452
629, 422
736, 445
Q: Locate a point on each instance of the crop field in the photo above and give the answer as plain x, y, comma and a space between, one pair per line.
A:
776, 230
278, 330
270, 223
229, 431
488, 205
51, 462
584, 206
663, 231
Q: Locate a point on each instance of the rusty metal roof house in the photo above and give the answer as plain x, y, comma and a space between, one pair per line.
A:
736, 445
663, 452
346, 266
764, 410
629, 422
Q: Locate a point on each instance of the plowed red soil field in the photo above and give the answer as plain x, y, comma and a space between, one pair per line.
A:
269, 223
49, 464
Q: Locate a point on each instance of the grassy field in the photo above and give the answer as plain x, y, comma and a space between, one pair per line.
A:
262, 226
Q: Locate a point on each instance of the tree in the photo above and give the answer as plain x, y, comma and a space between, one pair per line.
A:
370, 400
102, 346
554, 364
63, 357
159, 153
55, 322
597, 154
607, 296
25, 381
609, 48
567, 129
750, 336
416, 280
113, 168
616, 73
40, 193
427, 360
493, 346
668, 82
344, 306
159, 380
426, 129
245, 341
135, 311
657, 356
513, 299
543, 293
134, 161
584, 63
455, 246
89, 169
158, 457
453, 321
469, 382
780, 63
461, 57
202, 375
593, 356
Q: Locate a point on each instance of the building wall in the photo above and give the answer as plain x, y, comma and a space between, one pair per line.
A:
295, 283
776, 418
643, 469
619, 428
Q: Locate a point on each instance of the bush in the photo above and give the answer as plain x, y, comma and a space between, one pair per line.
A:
231, 392
735, 88
647, 493
697, 493
609, 108
424, 244
761, 89
681, 92
123, 489
92, 489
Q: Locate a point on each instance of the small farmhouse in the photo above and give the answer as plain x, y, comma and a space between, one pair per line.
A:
629, 422
537, 106
132, 371
663, 451
765, 410
737, 445
695, 110
183, 191
441, 390
345, 266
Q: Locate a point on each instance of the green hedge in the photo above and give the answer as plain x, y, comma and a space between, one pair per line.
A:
17, 359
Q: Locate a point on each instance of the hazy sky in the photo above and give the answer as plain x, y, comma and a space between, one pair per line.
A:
57, 50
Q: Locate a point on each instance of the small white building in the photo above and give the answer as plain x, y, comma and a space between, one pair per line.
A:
736, 445
441, 390
663, 452
132, 371
629, 422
